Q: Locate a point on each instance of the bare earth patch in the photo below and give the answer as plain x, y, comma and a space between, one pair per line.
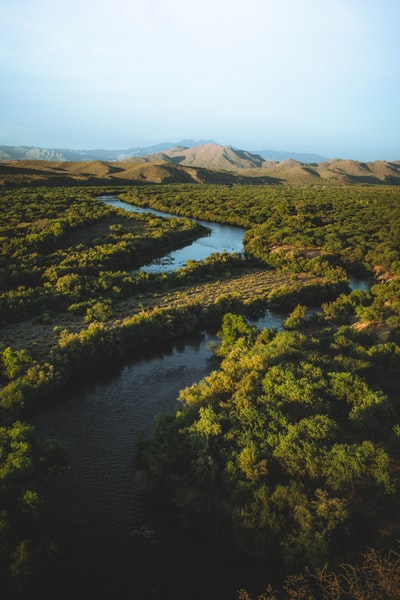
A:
306, 252
380, 329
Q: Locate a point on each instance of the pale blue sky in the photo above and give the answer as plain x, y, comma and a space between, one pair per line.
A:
317, 76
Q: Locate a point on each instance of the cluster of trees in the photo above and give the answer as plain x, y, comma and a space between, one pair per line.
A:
26, 543
379, 305
377, 577
291, 446
59, 248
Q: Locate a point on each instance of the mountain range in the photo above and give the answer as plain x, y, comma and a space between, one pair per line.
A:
65, 155
201, 163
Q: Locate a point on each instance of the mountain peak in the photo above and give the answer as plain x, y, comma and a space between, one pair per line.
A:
212, 156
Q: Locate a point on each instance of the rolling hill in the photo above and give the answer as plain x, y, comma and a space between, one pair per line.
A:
204, 163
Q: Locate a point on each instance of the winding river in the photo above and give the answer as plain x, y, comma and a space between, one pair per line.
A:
113, 546
221, 238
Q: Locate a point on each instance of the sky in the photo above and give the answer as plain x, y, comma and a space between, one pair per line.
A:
319, 76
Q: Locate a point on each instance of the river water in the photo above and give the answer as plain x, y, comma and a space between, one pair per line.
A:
113, 546
221, 238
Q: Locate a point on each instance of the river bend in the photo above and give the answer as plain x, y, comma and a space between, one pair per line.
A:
112, 547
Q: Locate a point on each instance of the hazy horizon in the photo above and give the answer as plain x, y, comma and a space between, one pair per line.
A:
316, 77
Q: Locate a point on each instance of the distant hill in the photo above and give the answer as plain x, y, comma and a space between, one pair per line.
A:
39, 172
55, 154
335, 171
177, 165
303, 157
210, 156
64, 155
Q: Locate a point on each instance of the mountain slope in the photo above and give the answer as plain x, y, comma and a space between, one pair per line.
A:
210, 156
224, 165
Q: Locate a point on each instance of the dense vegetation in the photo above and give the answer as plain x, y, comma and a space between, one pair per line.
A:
296, 433
355, 227
61, 249
293, 441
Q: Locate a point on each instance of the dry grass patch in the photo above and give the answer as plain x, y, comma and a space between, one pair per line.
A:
38, 338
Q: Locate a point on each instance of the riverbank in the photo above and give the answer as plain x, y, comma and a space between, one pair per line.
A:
251, 285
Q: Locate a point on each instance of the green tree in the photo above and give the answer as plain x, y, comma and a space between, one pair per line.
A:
99, 311
14, 363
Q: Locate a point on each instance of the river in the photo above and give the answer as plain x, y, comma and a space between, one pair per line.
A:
221, 238
112, 545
